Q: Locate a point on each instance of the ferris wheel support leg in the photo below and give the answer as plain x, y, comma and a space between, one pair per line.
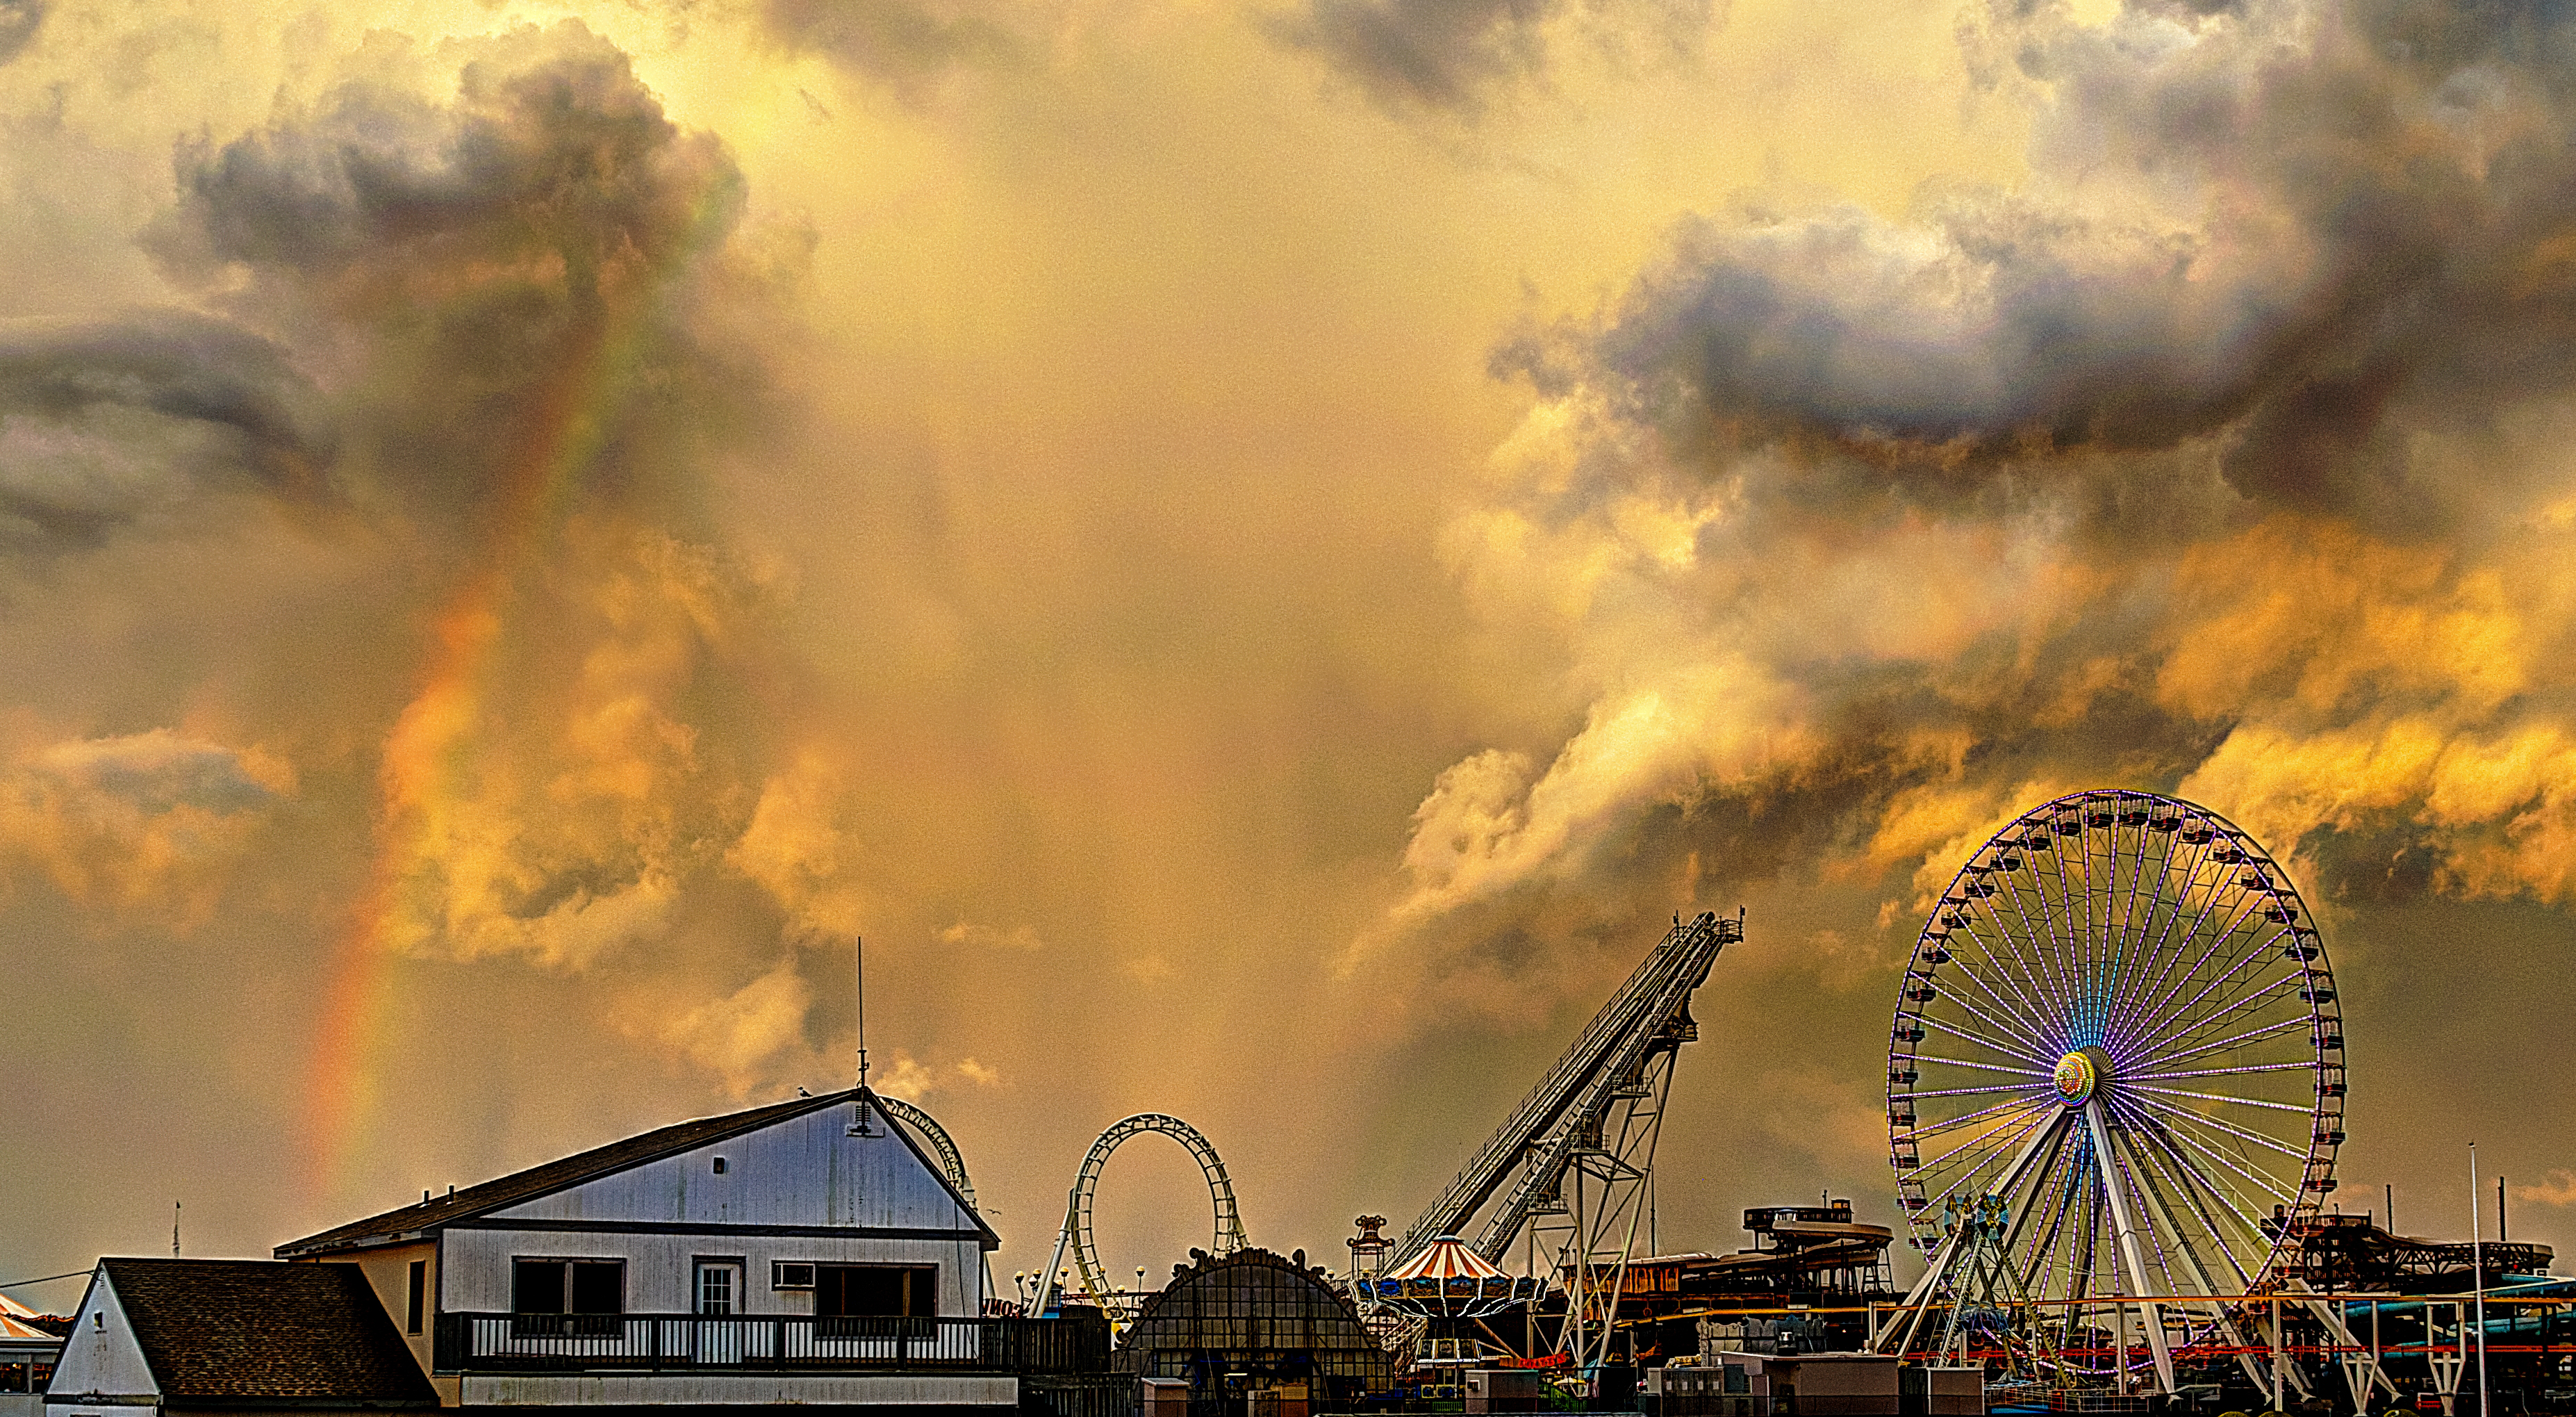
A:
1920, 1296
2162, 1215
2127, 1233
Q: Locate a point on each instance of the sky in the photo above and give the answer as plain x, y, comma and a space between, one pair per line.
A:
1256, 552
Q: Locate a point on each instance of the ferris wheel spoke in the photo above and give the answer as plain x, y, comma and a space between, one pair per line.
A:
2044, 932
2043, 1254
2039, 1031
1993, 1141
2240, 1133
2176, 1030
2308, 1066
2269, 1186
2197, 1191
2037, 932
2005, 942
2230, 934
2132, 1085
2125, 1168
1976, 1091
2040, 1118
2234, 1207
1988, 1067
2146, 1152
2214, 1124
2033, 1052
1950, 1123
2181, 913
2232, 1040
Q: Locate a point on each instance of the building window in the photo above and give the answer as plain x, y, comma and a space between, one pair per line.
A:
13, 1378
791, 1274
720, 1165
415, 1295
567, 1296
854, 1300
716, 1286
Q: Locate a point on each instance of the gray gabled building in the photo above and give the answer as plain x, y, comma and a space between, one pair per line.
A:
236, 1337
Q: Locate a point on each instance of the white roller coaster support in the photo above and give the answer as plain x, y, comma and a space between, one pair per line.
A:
1075, 1236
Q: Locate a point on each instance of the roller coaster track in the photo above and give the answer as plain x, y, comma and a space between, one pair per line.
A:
1573, 1165
951, 1162
1076, 1234
1567, 1111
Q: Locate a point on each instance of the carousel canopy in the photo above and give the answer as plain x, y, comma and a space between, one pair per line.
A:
1447, 1259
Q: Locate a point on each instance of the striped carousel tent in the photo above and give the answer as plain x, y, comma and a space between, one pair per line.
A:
1448, 1280
1447, 1259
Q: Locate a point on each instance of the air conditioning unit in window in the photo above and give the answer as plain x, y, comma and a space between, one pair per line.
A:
791, 1274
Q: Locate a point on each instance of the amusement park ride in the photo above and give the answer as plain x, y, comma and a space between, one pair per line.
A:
2115, 1093
2115, 1090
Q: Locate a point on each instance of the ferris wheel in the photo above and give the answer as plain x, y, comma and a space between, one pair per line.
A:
2119, 1021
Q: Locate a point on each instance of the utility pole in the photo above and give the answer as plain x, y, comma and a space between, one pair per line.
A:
2478, 1277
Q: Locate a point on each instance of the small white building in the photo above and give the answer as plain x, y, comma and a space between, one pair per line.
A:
808, 1252
166, 1337
27, 1356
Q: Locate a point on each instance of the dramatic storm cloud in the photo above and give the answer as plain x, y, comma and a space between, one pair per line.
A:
1458, 55
1257, 553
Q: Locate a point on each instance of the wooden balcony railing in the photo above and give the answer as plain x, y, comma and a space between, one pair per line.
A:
701, 1343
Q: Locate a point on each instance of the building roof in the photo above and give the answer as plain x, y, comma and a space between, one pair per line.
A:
1448, 1259
261, 1333
553, 1176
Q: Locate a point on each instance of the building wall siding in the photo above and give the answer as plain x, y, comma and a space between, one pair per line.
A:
101, 1358
660, 1269
617, 1390
806, 1170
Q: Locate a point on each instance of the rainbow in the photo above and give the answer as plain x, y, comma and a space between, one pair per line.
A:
423, 773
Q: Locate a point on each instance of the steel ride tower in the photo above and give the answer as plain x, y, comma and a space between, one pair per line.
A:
1572, 1166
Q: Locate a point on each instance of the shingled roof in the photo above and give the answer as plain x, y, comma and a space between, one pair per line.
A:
412, 1220
260, 1333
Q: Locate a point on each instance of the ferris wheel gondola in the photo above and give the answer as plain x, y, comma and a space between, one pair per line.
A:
2119, 1020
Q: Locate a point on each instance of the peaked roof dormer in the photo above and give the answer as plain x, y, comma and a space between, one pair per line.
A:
798, 1162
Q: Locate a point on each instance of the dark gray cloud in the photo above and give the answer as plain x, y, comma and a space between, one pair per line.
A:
103, 422
19, 21
2309, 258
1456, 56
468, 265
899, 43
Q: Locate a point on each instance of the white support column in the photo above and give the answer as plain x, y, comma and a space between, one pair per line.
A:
2127, 1233
2162, 1214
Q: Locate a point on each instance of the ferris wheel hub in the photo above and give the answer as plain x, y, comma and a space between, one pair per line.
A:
2079, 1075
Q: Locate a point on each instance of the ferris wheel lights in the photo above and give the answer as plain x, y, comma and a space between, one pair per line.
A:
2126, 1032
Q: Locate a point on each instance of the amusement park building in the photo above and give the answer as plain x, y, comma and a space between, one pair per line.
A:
809, 1252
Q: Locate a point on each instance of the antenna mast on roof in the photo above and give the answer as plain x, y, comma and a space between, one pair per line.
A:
860, 1127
